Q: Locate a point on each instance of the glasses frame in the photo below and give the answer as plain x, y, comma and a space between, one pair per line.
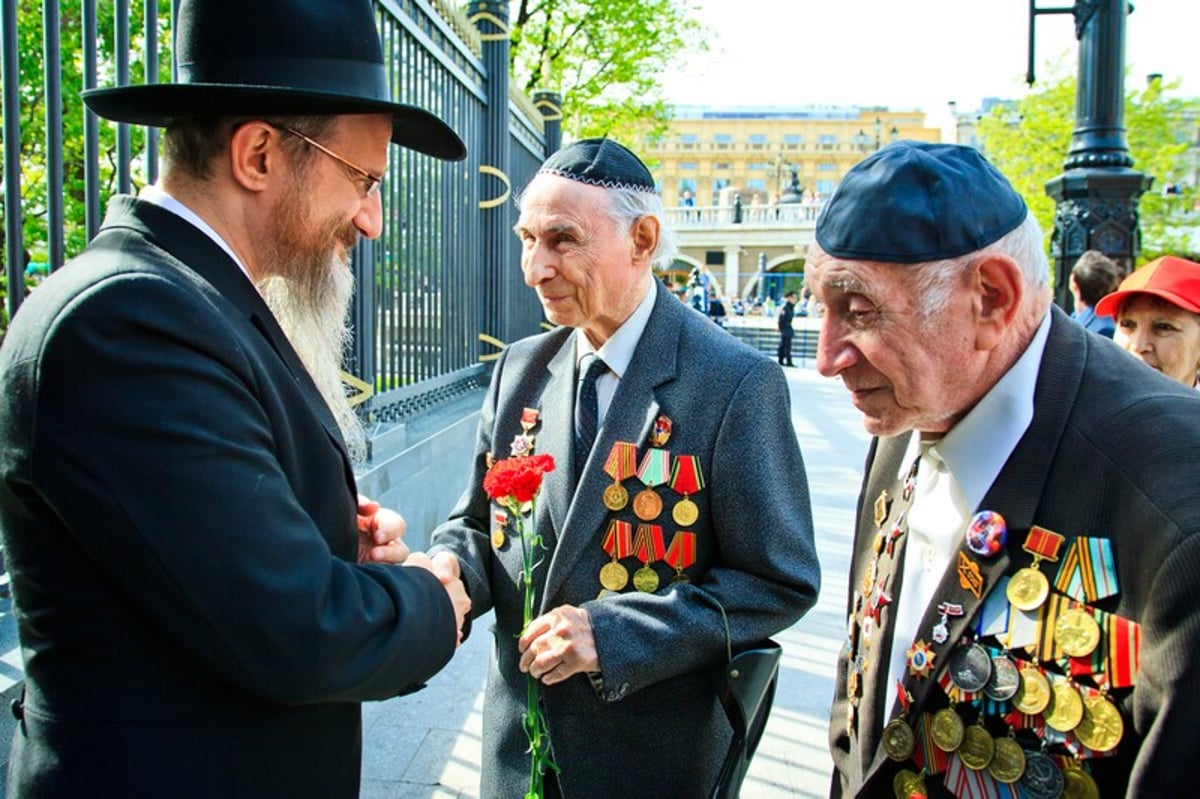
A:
374, 182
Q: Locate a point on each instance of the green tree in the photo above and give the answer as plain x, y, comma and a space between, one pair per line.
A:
605, 58
1029, 144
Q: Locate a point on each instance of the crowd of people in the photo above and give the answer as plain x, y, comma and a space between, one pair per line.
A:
204, 600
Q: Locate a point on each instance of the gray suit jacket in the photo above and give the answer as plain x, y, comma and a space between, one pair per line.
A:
1112, 452
654, 728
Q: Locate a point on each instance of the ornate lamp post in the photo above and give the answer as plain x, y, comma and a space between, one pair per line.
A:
1097, 194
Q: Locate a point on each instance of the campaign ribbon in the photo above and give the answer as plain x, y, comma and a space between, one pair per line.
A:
1043, 543
926, 754
617, 541
654, 468
682, 551
686, 477
648, 543
1088, 571
1048, 646
622, 461
1124, 651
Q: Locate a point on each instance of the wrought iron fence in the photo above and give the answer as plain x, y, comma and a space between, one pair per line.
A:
445, 269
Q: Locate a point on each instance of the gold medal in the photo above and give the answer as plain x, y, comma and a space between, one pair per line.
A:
1101, 727
978, 748
947, 729
1078, 784
647, 505
1077, 632
1008, 762
907, 784
498, 537
614, 576
645, 579
898, 740
1066, 708
1033, 695
882, 503
616, 497
1028, 589
685, 513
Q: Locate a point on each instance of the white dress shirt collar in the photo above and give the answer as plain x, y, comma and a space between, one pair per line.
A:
155, 195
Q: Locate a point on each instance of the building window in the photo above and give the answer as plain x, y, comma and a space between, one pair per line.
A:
826, 167
722, 140
757, 184
827, 141
687, 184
758, 141
793, 139
722, 165
825, 187
757, 166
687, 165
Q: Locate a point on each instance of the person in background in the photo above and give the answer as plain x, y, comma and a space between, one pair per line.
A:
787, 313
1021, 602
1157, 311
684, 530
203, 600
1093, 276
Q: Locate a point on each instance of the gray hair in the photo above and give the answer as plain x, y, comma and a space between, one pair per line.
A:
627, 206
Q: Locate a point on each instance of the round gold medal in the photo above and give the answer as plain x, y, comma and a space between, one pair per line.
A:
907, 784
947, 729
645, 579
978, 748
1078, 784
616, 497
1008, 763
1028, 589
647, 505
685, 513
1077, 632
1033, 695
498, 537
1102, 726
898, 740
614, 576
1066, 708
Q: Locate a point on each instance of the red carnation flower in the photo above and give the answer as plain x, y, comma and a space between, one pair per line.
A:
517, 478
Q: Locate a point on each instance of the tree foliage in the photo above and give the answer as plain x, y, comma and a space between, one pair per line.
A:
1029, 144
605, 59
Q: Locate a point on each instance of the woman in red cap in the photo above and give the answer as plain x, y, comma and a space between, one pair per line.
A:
1157, 309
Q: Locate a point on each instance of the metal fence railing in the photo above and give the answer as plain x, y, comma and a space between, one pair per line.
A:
427, 288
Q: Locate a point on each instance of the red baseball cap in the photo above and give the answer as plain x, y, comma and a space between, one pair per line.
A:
1176, 280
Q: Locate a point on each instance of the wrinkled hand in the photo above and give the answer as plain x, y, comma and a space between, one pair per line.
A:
444, 566
380, 533
558, 645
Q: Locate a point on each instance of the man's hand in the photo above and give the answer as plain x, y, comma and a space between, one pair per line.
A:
558, 645
444, 566
380, 533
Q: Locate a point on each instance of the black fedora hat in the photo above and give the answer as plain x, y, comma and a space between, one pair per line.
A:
273, 57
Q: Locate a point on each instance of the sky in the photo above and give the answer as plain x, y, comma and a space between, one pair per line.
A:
908, 53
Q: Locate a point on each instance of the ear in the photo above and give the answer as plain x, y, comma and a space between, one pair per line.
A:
644, 235
253, 153
1000, 287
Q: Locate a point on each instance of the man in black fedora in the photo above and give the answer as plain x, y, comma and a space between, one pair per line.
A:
203, 599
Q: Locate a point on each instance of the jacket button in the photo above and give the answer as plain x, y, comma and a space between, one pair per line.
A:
18, 709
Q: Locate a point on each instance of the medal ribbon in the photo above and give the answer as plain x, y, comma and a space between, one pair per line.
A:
682, 552
928, 755
1124, 651
529, 418
955, 693
617, 539
622, 461
655, 464
1093, 665
1043, 543
1088, 572
1047, 644
686, 477
648, 543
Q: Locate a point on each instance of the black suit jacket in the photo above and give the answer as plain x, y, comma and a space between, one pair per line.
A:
1111, 452
178, 514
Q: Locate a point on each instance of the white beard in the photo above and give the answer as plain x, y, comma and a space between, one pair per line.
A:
314, 314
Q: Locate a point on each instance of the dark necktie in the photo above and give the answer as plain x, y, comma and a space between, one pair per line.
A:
587, 409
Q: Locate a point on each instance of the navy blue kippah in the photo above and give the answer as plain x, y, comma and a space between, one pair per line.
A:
600, 162
914, 201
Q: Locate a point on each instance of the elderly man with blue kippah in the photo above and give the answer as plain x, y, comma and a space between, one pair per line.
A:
677, 520
1022, 612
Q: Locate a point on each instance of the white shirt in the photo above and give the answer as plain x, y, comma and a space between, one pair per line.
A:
155, 195
955, 474
617, 352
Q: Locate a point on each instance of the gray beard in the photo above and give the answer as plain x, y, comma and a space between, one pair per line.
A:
314, 313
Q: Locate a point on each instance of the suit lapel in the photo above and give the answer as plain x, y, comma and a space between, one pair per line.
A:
629, 418
557, 434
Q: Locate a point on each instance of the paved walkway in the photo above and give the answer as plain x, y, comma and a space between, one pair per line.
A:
428, 744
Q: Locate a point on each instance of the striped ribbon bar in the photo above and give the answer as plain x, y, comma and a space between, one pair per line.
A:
928, 755
648, 543
1088, 571
1124, 651
682, 551
617, 541
622, 461
686, 477
655, 465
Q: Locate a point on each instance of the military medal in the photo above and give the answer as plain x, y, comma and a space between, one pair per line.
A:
970, 668
1029, 588
1088, 572
523, 443
947, 729
686, 478
1066, 708
898, 740
1004, 682
1033, 695
621, 463
977, 748
681, 554
1077, 632
1008, 761
661, 432
647, 547
1042, 779
617, 543
969, 576
882, 505
1078, 784
647, 505
907, 784
500, 518
920, 659
941, 630
1101, 727
987, 533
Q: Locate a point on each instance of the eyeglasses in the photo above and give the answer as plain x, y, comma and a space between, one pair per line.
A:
371, 182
